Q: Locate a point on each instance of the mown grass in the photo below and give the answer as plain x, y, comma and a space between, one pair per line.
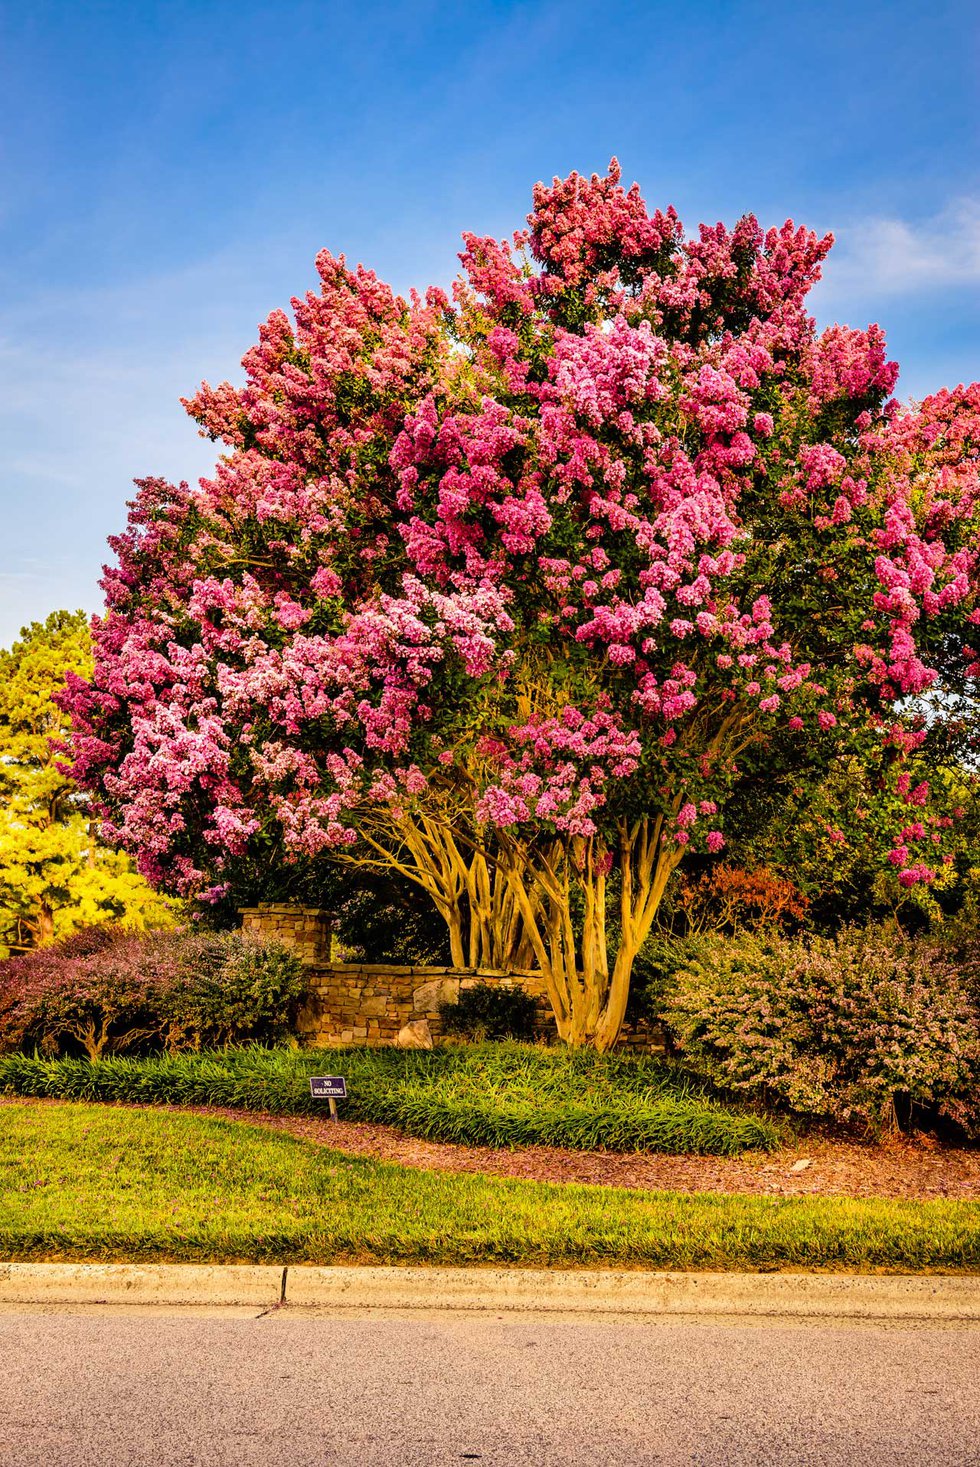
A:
81, 1181
488, 1095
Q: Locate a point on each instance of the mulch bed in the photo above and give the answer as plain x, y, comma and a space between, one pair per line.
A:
918, 1169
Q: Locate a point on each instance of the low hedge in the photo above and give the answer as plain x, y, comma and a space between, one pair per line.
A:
491, 1095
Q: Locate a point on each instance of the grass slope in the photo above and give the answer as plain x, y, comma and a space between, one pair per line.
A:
487, 1095
86, 1181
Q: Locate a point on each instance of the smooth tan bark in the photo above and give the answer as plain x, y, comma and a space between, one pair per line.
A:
524, 905
516, 904
588, 993
465, 882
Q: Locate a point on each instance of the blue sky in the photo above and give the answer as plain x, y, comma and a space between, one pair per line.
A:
170, 170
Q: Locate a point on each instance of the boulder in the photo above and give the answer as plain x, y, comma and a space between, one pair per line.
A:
416, 1034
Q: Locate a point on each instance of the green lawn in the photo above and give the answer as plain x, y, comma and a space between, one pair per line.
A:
87, 1181
483, 1095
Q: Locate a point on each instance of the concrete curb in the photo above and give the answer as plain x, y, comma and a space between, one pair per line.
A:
140, 1283
499, 1290
621, 1292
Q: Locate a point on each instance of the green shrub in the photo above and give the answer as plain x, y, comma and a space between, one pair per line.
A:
867, 1026
658, 960
489, 1095
486, 1012
232, 988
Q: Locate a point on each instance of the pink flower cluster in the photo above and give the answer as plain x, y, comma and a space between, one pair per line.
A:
555, 771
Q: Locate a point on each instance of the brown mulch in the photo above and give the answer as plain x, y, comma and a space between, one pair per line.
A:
917, 1169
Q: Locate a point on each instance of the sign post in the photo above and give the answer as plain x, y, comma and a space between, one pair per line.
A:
329, 1087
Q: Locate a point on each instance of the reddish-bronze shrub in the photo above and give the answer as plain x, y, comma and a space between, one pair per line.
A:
727, 898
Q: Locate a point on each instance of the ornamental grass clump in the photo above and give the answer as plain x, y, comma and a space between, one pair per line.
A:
870, 1026
231, 988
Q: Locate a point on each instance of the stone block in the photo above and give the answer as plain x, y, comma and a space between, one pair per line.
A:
428, 997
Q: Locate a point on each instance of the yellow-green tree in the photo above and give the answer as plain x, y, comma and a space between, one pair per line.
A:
55, 876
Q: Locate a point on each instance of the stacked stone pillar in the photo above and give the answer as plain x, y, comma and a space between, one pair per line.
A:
306, 931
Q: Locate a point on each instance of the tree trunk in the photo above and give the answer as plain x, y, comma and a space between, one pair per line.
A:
44, 926
93, 1037
496, 930
471, 893
562, 892
524, 904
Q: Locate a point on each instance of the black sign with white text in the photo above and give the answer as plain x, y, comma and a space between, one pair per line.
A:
328, 1087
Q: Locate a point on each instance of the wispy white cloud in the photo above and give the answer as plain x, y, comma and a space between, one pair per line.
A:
892, 256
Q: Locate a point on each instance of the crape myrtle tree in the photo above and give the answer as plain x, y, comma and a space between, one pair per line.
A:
504, 592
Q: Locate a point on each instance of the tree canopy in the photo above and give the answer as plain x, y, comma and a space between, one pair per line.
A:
55, 876
506, 591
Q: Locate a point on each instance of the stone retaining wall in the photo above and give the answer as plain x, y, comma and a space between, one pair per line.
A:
382, 1003
373, 1003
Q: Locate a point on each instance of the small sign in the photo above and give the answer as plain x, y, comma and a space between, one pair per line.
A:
328, 1087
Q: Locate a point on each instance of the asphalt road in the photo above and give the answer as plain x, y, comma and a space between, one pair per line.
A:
114, 1390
